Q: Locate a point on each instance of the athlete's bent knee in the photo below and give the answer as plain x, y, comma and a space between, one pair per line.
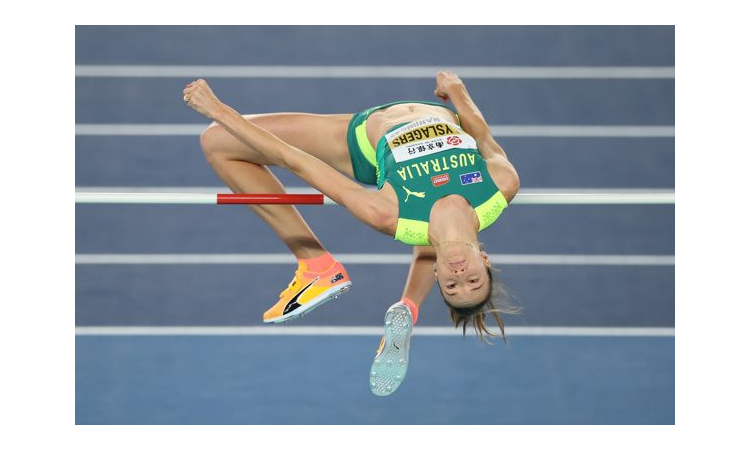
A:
211, 142
219, 145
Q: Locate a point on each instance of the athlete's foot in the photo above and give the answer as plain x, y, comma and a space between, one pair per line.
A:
392, 358
307, 291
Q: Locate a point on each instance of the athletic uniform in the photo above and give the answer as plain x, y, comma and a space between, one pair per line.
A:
424, 161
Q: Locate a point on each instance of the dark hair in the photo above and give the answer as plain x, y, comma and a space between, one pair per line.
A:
477, 313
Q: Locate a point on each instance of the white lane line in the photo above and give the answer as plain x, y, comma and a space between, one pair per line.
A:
588, 131
136, 129
487, 72
368, 258
140, 198
364, 331
591, 131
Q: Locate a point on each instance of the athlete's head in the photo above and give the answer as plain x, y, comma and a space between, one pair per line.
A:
462, 273
464, 276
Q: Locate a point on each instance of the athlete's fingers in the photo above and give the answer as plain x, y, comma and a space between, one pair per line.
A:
199, 87
199, 96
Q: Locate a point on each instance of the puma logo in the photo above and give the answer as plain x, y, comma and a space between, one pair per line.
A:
410, 193
293, 304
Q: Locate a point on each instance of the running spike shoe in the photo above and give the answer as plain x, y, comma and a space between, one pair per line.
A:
392, 357
307, 291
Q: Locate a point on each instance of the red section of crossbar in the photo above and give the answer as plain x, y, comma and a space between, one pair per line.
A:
269, 199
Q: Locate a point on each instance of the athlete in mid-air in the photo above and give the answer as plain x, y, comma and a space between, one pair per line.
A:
441, 178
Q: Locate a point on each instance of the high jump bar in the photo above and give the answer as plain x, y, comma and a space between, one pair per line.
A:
570, 198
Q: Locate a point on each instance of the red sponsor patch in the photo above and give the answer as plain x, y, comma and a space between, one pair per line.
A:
453, 140
439, 180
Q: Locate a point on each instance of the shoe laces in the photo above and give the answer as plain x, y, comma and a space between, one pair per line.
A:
292, 283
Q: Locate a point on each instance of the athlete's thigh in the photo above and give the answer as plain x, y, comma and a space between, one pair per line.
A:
321, 135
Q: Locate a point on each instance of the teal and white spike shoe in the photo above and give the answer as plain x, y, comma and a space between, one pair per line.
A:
392, 358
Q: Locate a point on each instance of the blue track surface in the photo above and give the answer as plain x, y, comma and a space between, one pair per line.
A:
237, 295
577, 229
323, 379
382, 45
303, 380
511, 102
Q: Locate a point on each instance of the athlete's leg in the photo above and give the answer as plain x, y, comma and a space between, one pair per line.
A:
319, 277
243, 169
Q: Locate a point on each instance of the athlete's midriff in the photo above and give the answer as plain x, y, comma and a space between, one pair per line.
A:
379, 122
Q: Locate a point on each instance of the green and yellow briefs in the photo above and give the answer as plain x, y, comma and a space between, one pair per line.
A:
424, 161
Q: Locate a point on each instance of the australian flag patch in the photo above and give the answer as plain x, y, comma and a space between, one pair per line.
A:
471, 178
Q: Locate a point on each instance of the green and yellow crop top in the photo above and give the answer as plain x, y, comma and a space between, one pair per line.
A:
426, 160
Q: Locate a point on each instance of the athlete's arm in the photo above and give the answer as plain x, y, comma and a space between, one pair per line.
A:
421, 274
370, 207
450, 87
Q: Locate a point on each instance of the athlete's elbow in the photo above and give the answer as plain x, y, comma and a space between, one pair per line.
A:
512, 185
516, 180
382, 218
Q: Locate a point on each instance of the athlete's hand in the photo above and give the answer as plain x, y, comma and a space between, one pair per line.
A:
199, 96
446, 83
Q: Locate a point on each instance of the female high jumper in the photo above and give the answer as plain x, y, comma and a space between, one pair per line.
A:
441, 178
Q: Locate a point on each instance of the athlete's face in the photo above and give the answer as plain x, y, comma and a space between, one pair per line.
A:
461, 272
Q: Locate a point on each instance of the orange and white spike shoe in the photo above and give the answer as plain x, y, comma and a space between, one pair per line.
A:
392, 358
307, 291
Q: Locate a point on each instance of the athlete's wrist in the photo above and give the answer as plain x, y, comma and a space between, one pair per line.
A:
223, 113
